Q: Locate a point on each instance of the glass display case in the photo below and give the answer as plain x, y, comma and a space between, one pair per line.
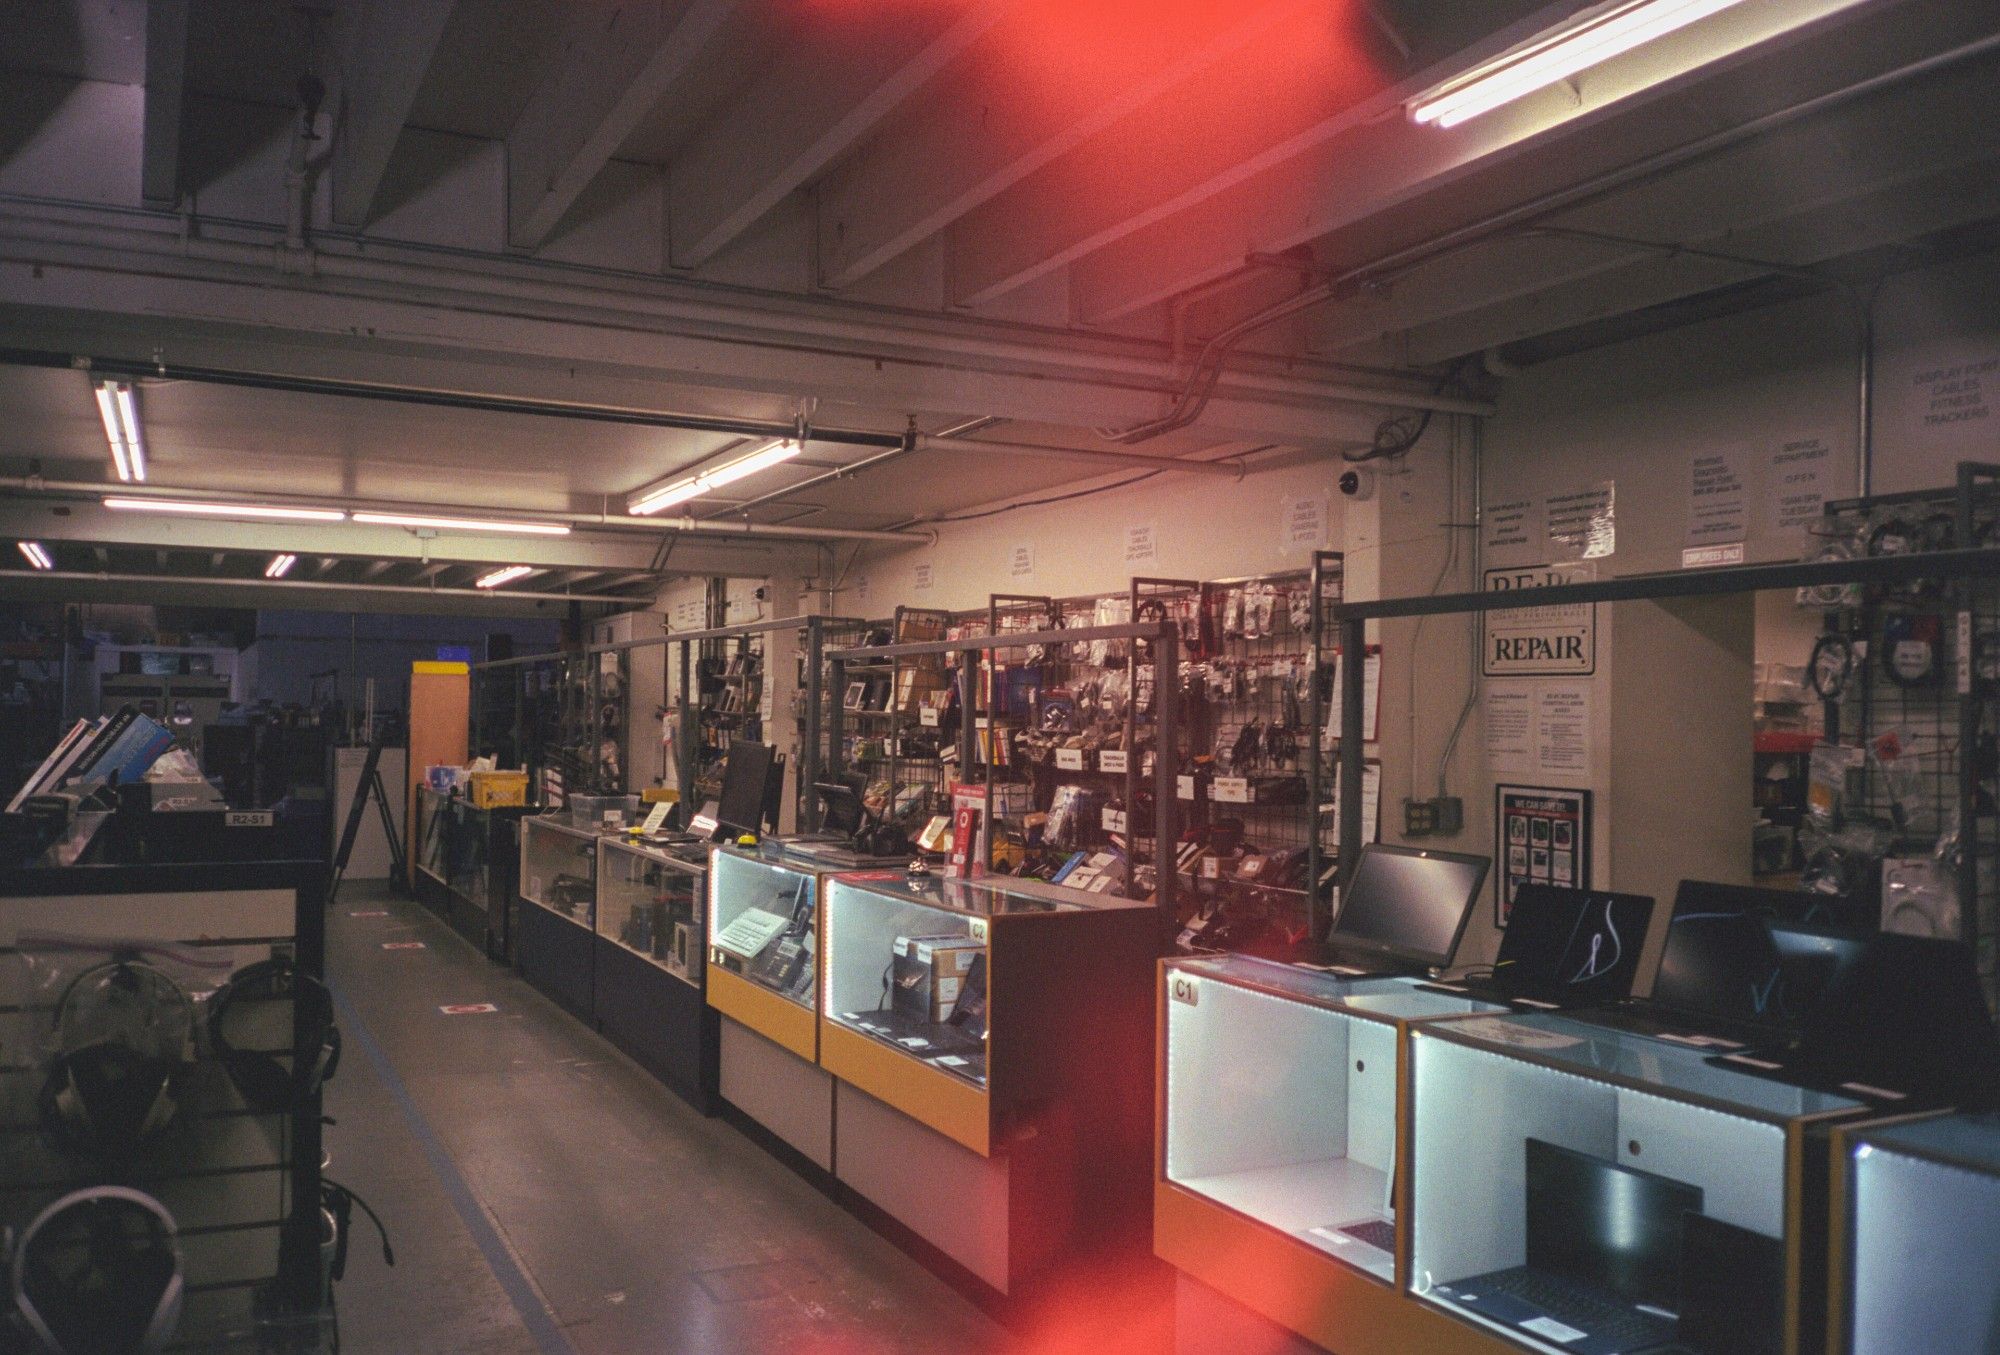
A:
431, 847
763, 943
559, 868
1919, 1258
990, 1042
652, 905
1577, 1188
556, 941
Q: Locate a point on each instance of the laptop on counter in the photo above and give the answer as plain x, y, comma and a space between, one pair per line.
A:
1403, 912
1563, 948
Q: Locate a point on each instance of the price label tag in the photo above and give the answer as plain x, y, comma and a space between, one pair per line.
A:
930, 717
1069, 759
1184, 988
1232, 790
1184, 788
1113, 760
1114, 820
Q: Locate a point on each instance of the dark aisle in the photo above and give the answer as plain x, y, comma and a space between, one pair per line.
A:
546, 1196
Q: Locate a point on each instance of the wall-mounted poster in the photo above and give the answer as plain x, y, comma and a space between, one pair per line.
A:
1542, 836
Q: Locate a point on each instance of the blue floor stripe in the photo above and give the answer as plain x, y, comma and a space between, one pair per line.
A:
541, 1324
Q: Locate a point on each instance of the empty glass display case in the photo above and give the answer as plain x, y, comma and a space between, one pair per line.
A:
431, 860
1919, 1268
559, 868
1581, 1189
652, 905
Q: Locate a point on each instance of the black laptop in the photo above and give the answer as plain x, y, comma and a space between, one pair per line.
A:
1742, 968
1604, 1249
1404, 911
1563, 948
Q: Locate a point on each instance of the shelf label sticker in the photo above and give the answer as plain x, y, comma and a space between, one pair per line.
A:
468, 1008
402, 945
1069, 759
1232, 790
930, 717
1184, 788
1184, 988
1114, 820
1113, 760
978, 930
248, 818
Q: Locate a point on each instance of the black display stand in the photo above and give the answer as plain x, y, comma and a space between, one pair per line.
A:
663, 1023
559, 957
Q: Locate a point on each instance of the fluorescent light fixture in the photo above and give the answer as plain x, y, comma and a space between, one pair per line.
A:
37, 557
694, 486
118, 407
500, 576
280, 566
226, 510
462, 524
1590, 39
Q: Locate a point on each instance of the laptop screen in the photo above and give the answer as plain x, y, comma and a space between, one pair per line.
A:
1749, 955
1607, 1225
1573, 945
1409, 903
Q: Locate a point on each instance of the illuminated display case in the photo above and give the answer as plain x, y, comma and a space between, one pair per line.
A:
1682, 1189
1279, 1137
990, 1045
652, 908
558, 914
1917, 1229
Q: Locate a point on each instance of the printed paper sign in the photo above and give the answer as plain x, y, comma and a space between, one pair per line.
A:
1583, 524
1021, 561
1139, 547
1955, 395
1708, 557
1303, 526
1716, 497
1544, 837
1562, 729
1513, 531
1796, 483
468, 1008
1510, 728
923, 577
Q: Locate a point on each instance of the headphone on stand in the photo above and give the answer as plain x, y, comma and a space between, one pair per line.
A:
100, 1272
105, 1096
265, 1083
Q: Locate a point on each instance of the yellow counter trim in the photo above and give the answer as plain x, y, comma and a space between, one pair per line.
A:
930, 1096
783, 1023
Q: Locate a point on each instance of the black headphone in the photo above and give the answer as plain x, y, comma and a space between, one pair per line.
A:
124, 1290
105, 1098
266, 1083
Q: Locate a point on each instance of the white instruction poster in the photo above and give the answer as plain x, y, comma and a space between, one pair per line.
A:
1513, 531
1139, 548
1302, 525
1510, 727
1562, 729
1798, 481
1583, 523
1955, 394
1021, 561
1371, 806
1716, 513
923, 576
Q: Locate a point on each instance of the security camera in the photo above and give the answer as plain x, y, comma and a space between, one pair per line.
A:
1358, 484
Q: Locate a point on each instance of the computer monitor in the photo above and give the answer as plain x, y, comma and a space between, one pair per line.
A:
1409, 903
741, 809
1581, 944
774, 793
841, 809
1607, 1225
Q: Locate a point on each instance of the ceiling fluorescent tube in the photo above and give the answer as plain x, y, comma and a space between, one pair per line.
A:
1591, 40
500, 576
107, 410
694, 486
280, 566
37, 557
128, 421
462, 524
202, 508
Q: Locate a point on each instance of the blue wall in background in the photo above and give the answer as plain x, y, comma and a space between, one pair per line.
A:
293, 645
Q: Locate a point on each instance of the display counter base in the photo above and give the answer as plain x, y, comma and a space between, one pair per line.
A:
1209, 1323
787, 1095
559, 958
661, 1022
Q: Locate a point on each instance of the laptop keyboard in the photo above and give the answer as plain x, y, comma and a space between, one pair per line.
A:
1377, 1233
1579, 1306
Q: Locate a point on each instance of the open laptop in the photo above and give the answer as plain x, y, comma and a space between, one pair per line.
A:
1563, 948
1906, 1021
1368, 1242
1404, 911
1741, 969
1604, 1248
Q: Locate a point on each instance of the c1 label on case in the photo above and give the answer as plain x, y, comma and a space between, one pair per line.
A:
1184, 988
978, 926
1069, 759
1113, 760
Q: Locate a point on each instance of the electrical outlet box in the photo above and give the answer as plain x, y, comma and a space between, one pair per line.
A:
1419, 818
1450, 815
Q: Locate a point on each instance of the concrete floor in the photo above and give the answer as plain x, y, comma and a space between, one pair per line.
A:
547, 1196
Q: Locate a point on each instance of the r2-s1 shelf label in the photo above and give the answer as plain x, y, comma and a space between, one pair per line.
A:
248, 818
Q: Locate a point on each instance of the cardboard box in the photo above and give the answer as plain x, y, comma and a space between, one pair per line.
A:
499, 790
928, 972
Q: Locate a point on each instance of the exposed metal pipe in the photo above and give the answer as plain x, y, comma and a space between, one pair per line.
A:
1230, 466
908, 446
1208, 367
411, 395
42, 576
31, 484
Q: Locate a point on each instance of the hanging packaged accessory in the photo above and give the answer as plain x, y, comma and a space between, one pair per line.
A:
1833, 663
1910, 650
124, 1031
99, 1272
271, 1080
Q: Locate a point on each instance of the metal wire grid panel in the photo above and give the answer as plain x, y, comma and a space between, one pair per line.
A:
1245, 712
1328, 589
727, 677
886, 739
